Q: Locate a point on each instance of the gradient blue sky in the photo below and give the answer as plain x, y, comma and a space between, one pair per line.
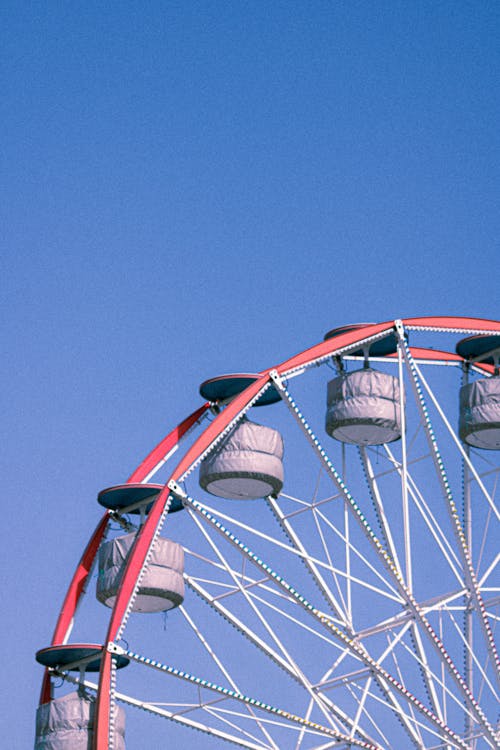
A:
190, 188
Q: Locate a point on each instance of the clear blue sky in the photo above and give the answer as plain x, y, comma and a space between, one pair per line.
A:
190, 188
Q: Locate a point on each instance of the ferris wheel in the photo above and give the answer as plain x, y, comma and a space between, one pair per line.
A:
329, 580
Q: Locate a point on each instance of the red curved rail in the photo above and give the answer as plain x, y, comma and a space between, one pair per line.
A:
73, 595
82, 572
166, 445
437, 355
345, 339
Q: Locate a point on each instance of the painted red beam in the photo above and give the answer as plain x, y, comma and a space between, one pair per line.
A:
73, 595
166, 445
346, 339
82, 572
455, 323
437, 355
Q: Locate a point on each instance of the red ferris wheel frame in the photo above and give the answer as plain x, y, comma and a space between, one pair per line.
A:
203, 443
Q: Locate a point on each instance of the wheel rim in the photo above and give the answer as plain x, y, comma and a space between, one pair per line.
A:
358, 608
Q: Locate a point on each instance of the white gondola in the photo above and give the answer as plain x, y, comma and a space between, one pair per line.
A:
67, 723
479, 418
479, 422
363, 407
162, 583
248, 464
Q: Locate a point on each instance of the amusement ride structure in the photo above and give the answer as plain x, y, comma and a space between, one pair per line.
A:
329, 581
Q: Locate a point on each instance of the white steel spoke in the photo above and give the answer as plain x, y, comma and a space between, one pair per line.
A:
386, 559
293, 665
222, 714
441, 682
355, 648
414, 722
488, 657
379, 506
347, 544
308, 561
246, 631
316, 561
247, 700
419, 724
326, 551
490, 570
376, 496
224, 671
179, 718
430, 521
427, 673
295, 620
486, 529
469, 572
404, 474
295, 540
369, 715
243, 628
308, 506
427, 606
293, 721
472, 655
361, 582
361, 704
348, 562
457, 442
